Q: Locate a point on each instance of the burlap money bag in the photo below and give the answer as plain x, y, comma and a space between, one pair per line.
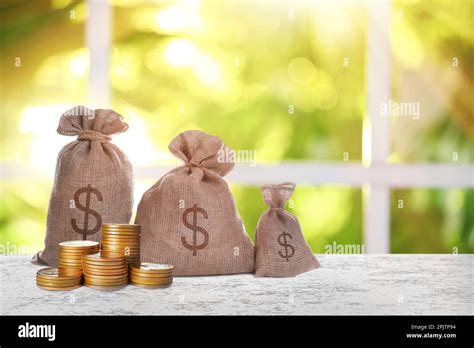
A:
281, 250
189, 219
93, 183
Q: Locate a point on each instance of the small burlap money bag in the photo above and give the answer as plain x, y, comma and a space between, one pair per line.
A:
93, 183
188, 218
281, 250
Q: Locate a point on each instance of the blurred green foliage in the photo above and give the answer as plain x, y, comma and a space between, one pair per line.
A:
286, 80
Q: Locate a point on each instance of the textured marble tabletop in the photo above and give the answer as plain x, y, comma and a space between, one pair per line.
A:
345, 284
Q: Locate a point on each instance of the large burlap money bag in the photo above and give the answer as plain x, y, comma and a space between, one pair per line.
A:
189, 219
281, 250
93, 183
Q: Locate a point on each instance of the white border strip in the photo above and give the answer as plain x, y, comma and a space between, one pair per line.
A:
346, 174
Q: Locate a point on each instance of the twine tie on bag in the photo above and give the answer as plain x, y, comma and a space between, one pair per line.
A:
93, 136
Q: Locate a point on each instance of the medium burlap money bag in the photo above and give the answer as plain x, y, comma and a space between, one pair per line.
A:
93, 183
281, 250
189, 219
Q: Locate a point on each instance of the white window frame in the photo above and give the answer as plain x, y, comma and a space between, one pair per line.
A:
375, 175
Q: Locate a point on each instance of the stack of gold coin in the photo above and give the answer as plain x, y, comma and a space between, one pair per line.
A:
70, 256
105, 273
49, 279
151, 275
121, 240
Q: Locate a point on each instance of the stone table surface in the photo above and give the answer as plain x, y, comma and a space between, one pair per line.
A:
345, 284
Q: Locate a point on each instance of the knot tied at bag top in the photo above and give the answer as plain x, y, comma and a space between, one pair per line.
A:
93, 136
276, 196
200, 150
94, 125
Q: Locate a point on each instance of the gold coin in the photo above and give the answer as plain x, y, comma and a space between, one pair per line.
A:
77, 249
122, 253
62, 280
68, 254
121, 230
115, 236
105, 283
135, 245
78, 252
121, 227
150, 276
153, 281
154, 267
67, 265
98, 258
105, 278
79, 244
106, 267
74, 252
67, 272
151, 286
59, 282
106, 288
62, 265
52, 273
106, 255
120, 237
106, 273
57, 285
110, 263
70, 265
122, 267
70, 261
115, 249
120, 246
151, 269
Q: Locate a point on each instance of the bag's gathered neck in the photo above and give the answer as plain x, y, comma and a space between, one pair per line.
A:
275, 196
91, 125
94, 136
200, 150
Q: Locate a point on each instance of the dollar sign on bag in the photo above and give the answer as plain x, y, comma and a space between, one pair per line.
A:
87, 211
195, 228
284, 243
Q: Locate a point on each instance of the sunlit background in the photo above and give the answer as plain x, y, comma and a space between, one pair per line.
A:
266, 76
